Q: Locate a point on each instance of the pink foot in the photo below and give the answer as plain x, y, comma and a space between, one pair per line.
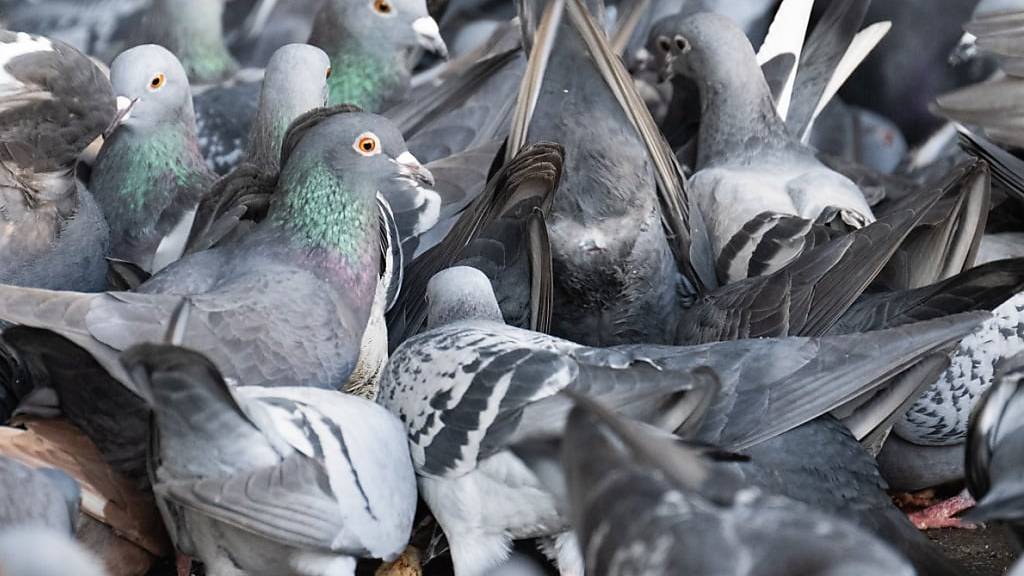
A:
943, 514
183, 564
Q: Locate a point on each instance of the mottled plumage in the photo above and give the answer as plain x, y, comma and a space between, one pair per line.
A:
53, 103
272, 480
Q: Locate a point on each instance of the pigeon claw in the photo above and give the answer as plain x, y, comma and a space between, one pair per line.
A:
944, 513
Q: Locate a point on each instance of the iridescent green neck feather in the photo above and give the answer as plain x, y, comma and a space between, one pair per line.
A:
366, 80
137, 176
323, 212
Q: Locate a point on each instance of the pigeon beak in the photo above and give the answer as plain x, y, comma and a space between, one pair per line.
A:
428, 35
666, 71
411, 168
124, 111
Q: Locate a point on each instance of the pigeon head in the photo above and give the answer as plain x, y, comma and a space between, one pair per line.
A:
151, 88
459, 294
701, 45
334, 163
295, 82
371, 44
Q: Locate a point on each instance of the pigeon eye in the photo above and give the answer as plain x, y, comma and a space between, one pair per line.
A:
382, 6
329, 70
367, 144
682, 44
157, 82
664, 44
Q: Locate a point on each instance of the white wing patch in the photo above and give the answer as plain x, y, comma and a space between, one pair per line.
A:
786, 35
23, 44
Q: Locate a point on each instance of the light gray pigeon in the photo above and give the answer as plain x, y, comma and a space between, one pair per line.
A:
372, 45
752, 177
38, 551
46, 498
53, 103
647, 503
149, 176
298, 301
471, 385
193, 30
268, 481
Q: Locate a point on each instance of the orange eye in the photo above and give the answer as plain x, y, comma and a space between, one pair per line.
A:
329, 70
157, 82
382, 6
367, 144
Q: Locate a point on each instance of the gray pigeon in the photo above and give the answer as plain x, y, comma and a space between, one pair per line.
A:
36, 551
53, 103
193, 30
298, 301
644, 503
754, 181
149, 176
46, 498
993, 450
267, 481
441, 384
371, 45
294, 83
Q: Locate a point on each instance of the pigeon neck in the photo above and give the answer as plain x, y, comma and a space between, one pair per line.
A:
738, 117
332, 223
368, 80
194, 33
367, 77
137, 175
278, 109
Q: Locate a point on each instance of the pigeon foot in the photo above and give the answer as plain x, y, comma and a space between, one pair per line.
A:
937, 513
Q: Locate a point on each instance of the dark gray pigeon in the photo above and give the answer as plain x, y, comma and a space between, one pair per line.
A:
993, 450
53, 103
149, 176
646, 503
267, 481
372, 46
299, 301
445, 384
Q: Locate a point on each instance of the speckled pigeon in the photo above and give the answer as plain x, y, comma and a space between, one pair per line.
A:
299, 301
53, 103
442, 383
149, 176
286, 480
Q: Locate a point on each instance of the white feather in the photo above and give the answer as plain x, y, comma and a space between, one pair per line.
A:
786, 35
23, 44
172, 246
862, 45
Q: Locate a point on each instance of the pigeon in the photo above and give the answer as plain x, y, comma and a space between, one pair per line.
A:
149, 176
441, 383
294, 83
621, 197
193, 31
53, 103
38, 551
759, 188
370, 45
298, 301
96, 27
286, 480
648, 503
993, 465
993, 105
269, 26
47, 497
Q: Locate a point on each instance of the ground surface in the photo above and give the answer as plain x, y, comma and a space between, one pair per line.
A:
984, 551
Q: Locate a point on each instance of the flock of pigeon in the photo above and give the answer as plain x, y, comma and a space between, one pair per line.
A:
326, 287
